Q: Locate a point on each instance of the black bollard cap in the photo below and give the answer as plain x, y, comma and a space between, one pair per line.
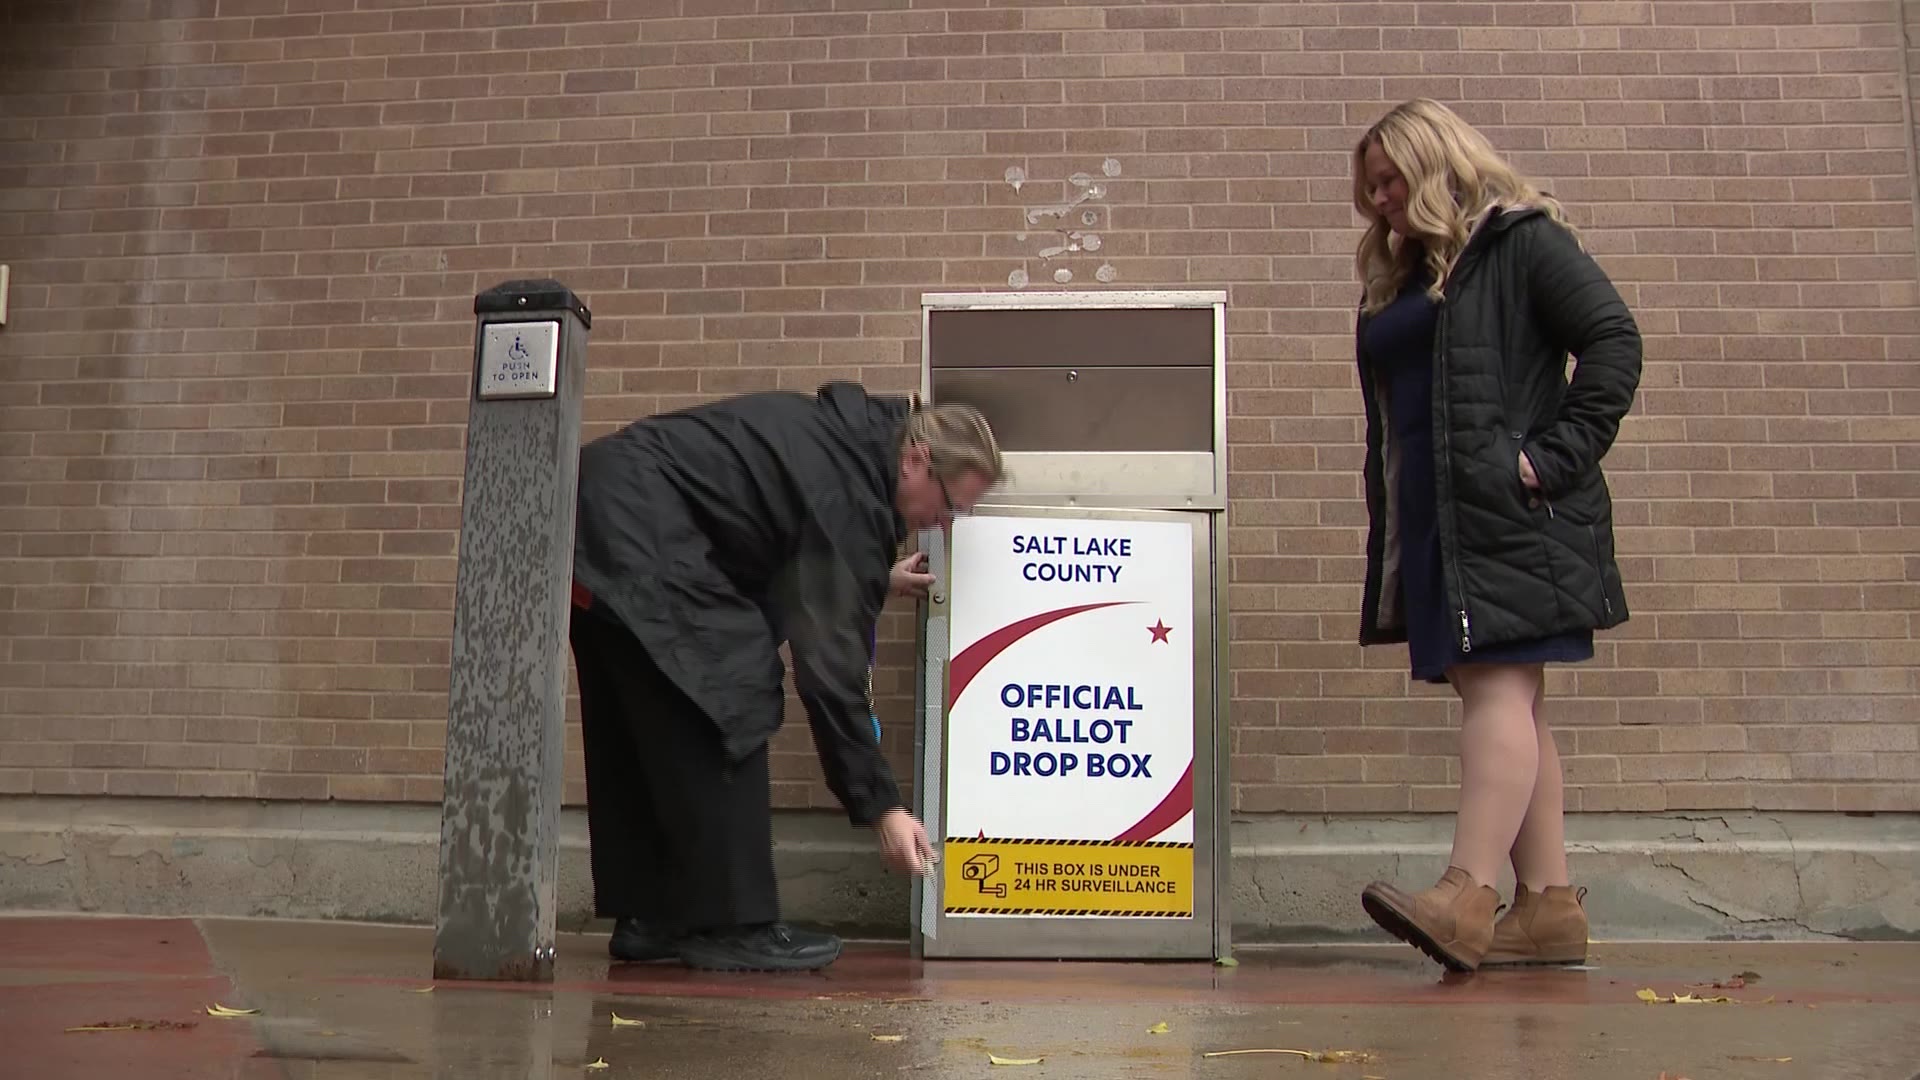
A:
544, 294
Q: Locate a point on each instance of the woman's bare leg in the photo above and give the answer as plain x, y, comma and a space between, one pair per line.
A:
1540, 848
1500, 757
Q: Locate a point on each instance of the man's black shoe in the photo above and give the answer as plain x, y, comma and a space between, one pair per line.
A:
635, 941
769, 947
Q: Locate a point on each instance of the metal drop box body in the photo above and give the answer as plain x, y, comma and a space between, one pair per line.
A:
1071, 659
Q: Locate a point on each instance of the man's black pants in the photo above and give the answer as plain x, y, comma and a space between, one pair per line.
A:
680, 837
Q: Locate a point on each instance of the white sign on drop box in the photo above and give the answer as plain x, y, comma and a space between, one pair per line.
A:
1070, 713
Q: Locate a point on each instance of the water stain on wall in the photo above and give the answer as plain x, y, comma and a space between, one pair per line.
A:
1067, 228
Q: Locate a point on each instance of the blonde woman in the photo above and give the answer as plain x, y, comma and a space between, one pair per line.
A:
1490, 546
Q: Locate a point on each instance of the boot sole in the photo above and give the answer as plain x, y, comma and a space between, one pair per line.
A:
646, 952
642, 958
700, 962
1394, 922
1563, 960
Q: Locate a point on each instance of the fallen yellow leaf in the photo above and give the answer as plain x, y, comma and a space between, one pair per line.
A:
996, 1059
422, 990
102, 1027
1158, 1029
1329, 1057
1652, 998
597, 1063
888, 1038
217, 1009
621, 1021
1750, 1057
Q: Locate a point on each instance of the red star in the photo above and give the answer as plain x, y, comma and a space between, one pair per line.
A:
1160, 630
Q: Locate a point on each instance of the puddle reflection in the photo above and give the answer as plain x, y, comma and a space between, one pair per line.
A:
495, 1036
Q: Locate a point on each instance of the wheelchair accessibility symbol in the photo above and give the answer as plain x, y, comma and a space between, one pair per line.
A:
518, 350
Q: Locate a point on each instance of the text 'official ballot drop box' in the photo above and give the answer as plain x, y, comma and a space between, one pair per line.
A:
1071, 752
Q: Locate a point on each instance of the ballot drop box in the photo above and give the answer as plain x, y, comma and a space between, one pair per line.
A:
1071, 750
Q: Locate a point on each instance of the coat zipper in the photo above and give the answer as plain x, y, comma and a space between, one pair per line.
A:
1446, 441
1606, 601
1446, 416
1446, 431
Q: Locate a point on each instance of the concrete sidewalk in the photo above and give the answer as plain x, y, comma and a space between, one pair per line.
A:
353, 1000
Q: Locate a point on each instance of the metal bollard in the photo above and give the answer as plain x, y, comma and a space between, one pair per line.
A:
500, 815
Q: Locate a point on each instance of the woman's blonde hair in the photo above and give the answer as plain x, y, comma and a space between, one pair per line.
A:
1454, 178
958, 441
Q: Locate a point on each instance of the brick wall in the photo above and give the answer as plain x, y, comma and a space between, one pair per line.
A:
245, 235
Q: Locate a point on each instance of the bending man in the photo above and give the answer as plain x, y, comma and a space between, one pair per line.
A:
706, 539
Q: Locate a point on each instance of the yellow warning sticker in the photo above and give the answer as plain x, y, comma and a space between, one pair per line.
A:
1068, 877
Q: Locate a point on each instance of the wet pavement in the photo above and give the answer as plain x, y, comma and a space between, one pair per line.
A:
341, 1001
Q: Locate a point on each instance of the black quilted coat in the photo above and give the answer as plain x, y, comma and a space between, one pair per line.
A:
1520, 299
718, 533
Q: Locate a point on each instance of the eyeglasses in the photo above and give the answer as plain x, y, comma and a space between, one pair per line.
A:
946, 496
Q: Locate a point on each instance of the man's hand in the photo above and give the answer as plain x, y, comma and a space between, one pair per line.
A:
1527, 476
903, 843
909, 576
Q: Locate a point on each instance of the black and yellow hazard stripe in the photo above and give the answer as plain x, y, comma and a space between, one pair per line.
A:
1058, 912
1073, 843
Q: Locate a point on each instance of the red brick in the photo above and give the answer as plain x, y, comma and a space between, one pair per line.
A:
755, 200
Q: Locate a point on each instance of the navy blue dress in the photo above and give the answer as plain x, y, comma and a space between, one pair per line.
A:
1399, 344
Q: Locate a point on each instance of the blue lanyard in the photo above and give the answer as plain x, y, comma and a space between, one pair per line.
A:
873, 658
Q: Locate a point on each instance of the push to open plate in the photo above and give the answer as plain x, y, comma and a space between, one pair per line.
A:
519, 359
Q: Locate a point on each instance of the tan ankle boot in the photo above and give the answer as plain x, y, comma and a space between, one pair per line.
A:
1547, 927
1452, 922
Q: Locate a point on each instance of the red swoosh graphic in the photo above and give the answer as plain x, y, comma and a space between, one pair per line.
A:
1171, 809
977, 655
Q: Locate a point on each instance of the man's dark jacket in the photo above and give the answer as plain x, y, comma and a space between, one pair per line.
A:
1519, 300
719, 532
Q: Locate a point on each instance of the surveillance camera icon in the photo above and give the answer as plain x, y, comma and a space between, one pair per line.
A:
979, 870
